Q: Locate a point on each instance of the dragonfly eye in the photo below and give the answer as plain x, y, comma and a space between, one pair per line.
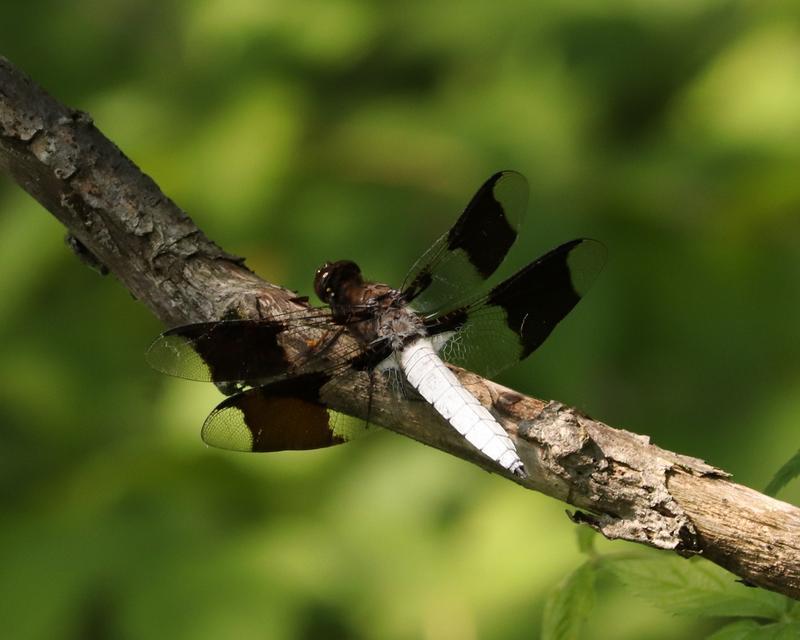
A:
322, 282
333, 276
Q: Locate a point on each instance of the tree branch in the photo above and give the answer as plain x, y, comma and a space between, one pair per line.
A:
632, 490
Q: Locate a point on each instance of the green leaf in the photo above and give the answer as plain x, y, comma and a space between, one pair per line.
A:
569, 604
751, 630
787, 630
739, 630
784, 476
695, 588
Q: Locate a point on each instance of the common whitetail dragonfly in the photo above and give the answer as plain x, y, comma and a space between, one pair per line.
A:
280, 399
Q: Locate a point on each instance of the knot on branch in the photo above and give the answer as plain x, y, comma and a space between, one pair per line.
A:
605, 472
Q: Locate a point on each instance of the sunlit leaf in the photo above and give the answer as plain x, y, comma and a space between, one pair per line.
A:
695, 588
569, 605
751, 630
786, 631
739, 630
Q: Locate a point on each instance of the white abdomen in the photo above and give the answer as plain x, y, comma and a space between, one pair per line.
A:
427, 373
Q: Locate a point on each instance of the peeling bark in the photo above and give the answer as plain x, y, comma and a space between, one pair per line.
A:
628, 488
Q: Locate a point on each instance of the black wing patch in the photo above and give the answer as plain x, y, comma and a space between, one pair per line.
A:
484, 231
228, 351
506, 325
240, 350
286, 415
471, 251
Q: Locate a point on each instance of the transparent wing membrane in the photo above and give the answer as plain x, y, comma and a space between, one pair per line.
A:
485, 344
506, 325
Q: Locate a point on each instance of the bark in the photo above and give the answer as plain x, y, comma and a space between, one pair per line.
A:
629, 488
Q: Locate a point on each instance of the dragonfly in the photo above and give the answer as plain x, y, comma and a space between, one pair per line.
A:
283, 369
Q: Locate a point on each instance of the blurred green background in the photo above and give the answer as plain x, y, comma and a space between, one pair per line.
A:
320, 129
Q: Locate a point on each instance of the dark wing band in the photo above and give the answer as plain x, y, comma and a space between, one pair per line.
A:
283, 416
506, 325
471, 251
244, 350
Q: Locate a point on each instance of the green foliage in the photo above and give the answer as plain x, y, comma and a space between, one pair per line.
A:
690, 588
299, 132
695, 588
751, 630
784, 475
570, 604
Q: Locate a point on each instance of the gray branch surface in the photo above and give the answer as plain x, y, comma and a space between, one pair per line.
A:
626, 487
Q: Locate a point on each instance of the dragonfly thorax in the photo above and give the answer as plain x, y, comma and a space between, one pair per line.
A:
399, 325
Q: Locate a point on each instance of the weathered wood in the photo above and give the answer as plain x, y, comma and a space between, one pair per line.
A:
629, 488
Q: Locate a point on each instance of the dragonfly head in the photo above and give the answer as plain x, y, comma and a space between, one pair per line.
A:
335, 280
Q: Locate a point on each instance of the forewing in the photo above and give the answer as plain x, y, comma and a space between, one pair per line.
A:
282, 416
497, 330
471, 251
238, 350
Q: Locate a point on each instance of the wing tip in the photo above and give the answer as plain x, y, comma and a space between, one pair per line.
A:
168, 354
511, 189
158, 351
224, 429
585, 261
